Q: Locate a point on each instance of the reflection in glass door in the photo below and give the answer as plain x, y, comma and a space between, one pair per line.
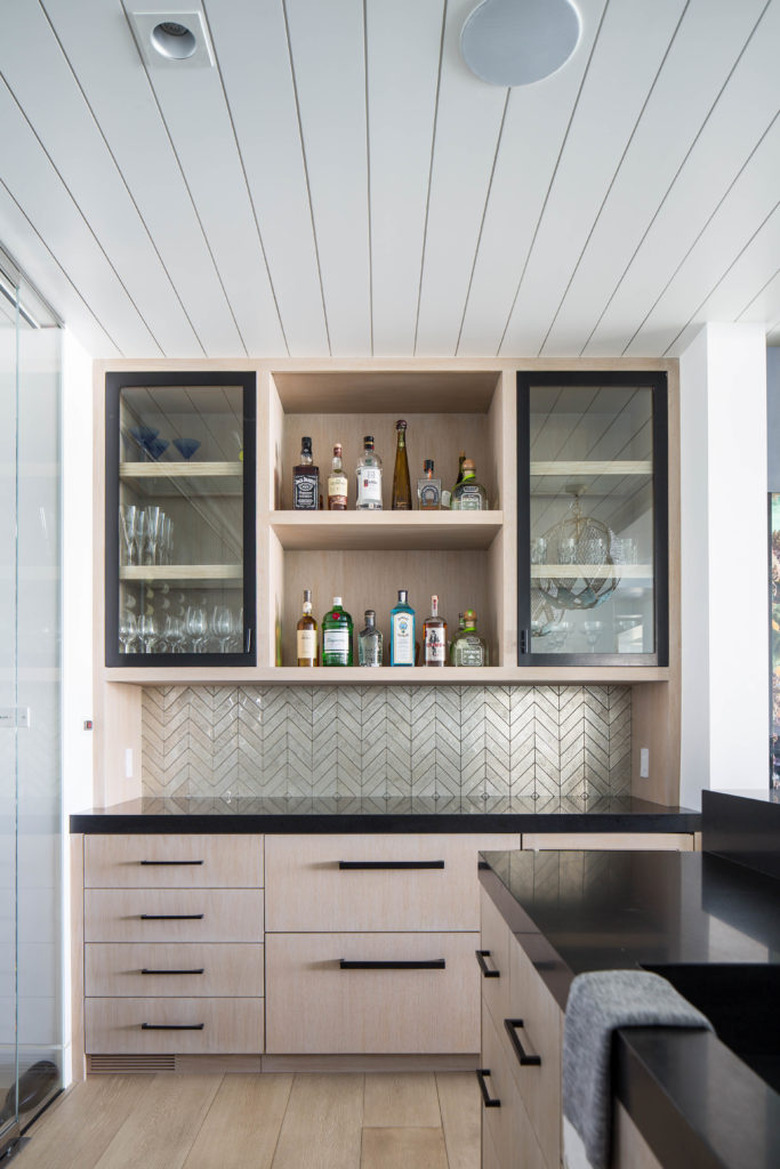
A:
30, 803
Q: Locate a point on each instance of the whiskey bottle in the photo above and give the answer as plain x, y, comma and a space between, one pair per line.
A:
337, 631
337, 482
369, 478
469, 495
402, 645
306, 480
402, 488
468, 648
306, 634
370, 642
429, 489
435, 637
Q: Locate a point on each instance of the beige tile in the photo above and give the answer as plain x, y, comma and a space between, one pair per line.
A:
407, 1100
322, 1125
242, 1126
403, 1148
461, 1113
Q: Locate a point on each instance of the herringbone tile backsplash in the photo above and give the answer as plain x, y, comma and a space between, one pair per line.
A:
546, 742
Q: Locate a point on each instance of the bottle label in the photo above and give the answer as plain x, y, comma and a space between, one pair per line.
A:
337, 492
403, 639
469, 497
472, 652
306, 489
435, 645
369, 485
335, 644
430, 494
307, 644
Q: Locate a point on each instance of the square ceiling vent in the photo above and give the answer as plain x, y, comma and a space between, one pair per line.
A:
173, 40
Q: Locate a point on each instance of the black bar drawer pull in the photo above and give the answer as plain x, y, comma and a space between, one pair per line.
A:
430, 964
172, 1026
171, 916
522, 1055
391, 864
200, 970
170, 862
488, 1100
486, 971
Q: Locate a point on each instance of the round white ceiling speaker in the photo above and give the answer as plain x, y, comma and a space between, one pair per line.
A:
518, 42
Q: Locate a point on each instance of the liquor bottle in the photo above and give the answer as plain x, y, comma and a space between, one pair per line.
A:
369, 478
402, 647
435, 637
370, 642
337, 636
402, 488
306, 480
306, 634
469, 495
468, 648
461, 627
337, 483
446, 496
429, 489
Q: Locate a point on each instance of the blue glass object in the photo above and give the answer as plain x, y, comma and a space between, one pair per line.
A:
186, 446
157, 447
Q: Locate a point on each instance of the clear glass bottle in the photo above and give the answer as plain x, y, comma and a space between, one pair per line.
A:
337, 632
428, 489
469, 495
370, 642
402, 488
435, 637
369, 478
337, 482
306, 480
306, 634
402, 647
468, 648
446, 496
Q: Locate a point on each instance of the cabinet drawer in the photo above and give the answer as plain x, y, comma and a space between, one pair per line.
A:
191, 1026
174, 969
509, 1130
173, 915
541, 1034
316, 1006
311, 889
173, 862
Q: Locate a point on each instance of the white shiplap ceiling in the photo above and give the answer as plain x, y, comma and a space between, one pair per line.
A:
341, 185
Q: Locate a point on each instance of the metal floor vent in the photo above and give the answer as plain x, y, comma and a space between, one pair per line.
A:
115, 1064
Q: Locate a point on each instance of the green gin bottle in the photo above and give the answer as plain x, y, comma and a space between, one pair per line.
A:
402, 631
337, 636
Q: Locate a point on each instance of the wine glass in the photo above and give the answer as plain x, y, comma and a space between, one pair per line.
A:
196, 626
592, 632
147, 631
128, 519
174, 633
128, 629
152, 517
223, 625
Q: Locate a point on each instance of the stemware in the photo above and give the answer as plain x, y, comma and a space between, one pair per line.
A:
186, 446
174, 633
592, 631
166, 540
223, 626
128, 630
196, 626
147, 631
153, 516
128, 519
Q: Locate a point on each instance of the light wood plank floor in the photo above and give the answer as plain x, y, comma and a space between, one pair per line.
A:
303, 1121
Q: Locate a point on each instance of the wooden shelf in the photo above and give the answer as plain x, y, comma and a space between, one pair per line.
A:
575, 571
594, 467
201, 574
181, 470
385, 531
387, 675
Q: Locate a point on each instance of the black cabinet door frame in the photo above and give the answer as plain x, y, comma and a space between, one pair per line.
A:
656, 381
115, 383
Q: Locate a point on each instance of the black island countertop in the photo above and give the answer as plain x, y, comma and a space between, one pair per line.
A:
339, 814
712, 927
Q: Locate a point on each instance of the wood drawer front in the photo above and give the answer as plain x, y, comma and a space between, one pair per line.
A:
173, 862
316, 1007
114, 915
542, 1035
230, 1026
494, 943
610, 841
207, 969
308, 890
509, 1129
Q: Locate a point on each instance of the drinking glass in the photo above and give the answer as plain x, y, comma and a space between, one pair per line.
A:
196, 626
592, 632
153, 515
147, 631
128, 630
174, 633
128, 518
166, 540
140, 534
223, 626
539, 550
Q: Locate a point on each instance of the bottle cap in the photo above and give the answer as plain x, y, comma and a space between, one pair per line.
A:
368, 440
307, 594
306, 442
470, 616
337, 449
468, 465
370, 616
401, 424
402, 595
337, 600
428, 465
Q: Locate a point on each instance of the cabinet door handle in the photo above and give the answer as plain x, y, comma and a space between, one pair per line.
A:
248, 640
391, 865
170, 862
524, 642
172, 1026
200, 970
486, 971
430, 964
523, 1057
488, 1100
171, 916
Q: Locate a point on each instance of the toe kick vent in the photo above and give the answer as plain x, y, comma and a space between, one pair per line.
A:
112, 1064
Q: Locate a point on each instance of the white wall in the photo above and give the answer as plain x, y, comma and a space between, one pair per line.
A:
725, 634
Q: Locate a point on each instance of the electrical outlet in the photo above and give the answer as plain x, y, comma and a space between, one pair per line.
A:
644, 762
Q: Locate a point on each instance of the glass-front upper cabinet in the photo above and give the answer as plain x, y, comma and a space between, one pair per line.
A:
180, 519
592, 518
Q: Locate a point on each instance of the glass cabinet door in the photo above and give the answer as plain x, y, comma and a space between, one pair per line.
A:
180, 519
592, 518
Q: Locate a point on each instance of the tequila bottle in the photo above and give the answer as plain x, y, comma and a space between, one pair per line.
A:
370, 642
306, 480
435, 637
429, 489
306, 634
337, 636
402, 488
402, 632
468, 648
469, 495
369, 478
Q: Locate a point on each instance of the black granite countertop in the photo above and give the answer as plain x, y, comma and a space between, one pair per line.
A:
307, 814
690, 916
